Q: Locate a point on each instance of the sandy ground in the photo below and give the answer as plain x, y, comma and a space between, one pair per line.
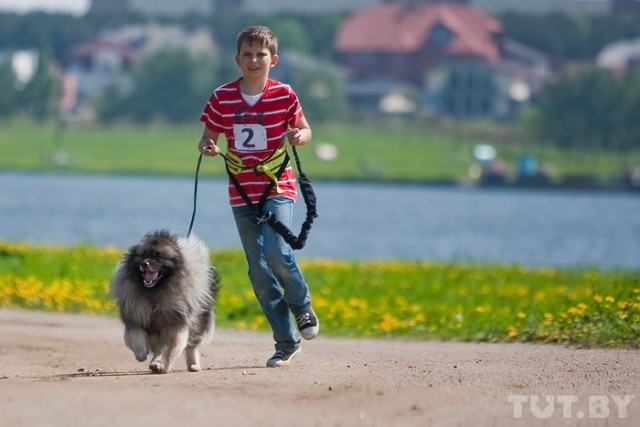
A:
74, 370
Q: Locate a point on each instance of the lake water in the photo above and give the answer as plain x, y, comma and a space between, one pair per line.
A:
357, 220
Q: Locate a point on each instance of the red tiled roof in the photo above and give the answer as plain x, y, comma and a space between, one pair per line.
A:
398, 28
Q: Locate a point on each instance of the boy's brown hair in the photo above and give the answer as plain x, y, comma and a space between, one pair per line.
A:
260, 35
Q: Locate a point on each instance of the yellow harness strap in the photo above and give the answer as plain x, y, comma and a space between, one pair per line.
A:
268, 166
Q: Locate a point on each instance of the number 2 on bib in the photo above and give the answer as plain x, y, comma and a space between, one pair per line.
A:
250, 137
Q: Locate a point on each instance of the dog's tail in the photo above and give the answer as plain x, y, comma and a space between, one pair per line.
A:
214, 283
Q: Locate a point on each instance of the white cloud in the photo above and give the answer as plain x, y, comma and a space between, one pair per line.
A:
75, 7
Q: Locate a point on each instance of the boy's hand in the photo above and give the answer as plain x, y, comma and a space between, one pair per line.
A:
295, 136
208, 147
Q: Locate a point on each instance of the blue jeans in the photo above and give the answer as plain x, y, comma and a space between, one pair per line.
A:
273, 270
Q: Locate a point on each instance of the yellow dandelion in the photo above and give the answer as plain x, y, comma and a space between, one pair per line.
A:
486, 289
483, 308
388, 323
358, 303
623, 305
420, 318
241, 325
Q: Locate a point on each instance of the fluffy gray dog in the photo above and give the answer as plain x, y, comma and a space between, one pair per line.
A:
166, 289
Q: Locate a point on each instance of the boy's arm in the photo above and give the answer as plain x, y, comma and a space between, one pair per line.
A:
208, 144
300, 133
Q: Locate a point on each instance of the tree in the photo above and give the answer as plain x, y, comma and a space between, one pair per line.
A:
569, 37
170, 84
39, 94
322, 93
291, 34
590, 109
8, 90
163, 87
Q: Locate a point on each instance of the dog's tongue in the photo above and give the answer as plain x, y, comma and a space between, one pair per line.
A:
150, 278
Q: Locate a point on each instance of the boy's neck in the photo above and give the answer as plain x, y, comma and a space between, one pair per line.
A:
253, 86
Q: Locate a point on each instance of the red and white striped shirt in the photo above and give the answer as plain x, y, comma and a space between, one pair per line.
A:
253, 133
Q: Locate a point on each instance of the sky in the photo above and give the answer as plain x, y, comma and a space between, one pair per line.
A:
75, 7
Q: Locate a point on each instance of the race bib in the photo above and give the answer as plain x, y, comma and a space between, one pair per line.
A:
250, 137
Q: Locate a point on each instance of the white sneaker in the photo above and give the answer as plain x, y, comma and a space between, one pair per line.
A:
308, 324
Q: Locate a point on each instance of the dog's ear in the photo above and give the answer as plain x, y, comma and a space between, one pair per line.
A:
133, 249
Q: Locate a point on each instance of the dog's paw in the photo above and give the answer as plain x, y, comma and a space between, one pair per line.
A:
194, 367
136, 339
141, 355
157, 367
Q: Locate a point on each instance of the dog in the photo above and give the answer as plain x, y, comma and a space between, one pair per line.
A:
166, 289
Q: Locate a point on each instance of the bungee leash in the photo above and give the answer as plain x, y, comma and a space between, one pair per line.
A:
234, 166
273, 170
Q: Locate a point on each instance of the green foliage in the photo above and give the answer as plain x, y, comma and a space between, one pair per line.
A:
8, 90
163, 87
53, 33
168, 85
321, 92
291, 34
415, 299
413, 151
590, 109
35, 98
569, 37
39, 95
308, 34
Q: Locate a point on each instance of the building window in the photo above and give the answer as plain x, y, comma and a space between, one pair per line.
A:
440, 35
363, 58
470, 91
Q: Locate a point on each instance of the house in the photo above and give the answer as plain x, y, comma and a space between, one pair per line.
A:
210, 7
90, 67
621, 57
305, 7
451, 58
154, 7
150, 38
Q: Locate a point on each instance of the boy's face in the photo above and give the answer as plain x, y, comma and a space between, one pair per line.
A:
255, 60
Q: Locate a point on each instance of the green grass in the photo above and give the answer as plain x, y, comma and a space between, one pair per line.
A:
415, 299
415, 151
412, 299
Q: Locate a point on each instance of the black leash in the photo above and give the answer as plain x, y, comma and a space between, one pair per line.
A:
195, 196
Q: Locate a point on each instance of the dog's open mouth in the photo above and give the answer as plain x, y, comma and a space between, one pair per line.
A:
150, 278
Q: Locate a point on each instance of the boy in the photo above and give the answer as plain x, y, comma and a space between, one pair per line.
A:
256, 114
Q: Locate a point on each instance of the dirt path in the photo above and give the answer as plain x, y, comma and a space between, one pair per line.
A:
64, 370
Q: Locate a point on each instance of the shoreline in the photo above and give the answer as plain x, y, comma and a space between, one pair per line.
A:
577, 183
